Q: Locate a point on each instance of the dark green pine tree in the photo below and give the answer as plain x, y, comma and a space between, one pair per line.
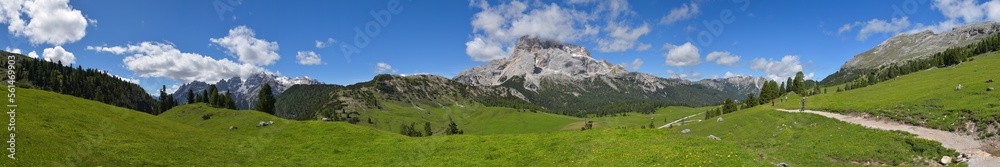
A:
213, 95
164, 104
265, 100
204, 96
230, 104
199, 99
190, 97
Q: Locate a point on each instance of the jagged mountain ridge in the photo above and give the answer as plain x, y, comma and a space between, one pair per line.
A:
534, 58
563, 76
244, 91
322, 100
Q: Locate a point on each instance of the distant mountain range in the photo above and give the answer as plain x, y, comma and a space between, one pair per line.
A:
244, 91
557, 77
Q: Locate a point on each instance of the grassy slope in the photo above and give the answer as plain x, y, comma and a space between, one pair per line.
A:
56, 130
661, 117
812, 140
471, 118
925, 98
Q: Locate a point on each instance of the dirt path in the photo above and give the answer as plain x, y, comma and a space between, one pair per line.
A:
961, 143
678, 120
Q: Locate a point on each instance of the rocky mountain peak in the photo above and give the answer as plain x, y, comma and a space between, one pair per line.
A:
245, 91
534, 58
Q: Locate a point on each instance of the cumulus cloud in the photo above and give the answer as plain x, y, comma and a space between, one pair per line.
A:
635, 65
383, 68
683, 55
32, 54
58, 54
877, 26
731, 74
308, 58
621, 38
690, 75
132, 80
961, 12
778, 70
497, 27
324, 44
13, 50
48, 21
643, 46
153, 59
686, 11
722, 58
243, 43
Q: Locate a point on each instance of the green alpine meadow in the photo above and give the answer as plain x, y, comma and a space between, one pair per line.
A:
500, 83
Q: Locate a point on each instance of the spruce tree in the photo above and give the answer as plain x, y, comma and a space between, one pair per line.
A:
265, 100
190, 97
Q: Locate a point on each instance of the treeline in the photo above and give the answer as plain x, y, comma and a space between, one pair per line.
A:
770, 91
949, 57
88, 83
411, 130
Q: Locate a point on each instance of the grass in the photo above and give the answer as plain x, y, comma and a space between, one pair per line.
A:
471, 118
60, 130
926, 98
801, 139
662, 116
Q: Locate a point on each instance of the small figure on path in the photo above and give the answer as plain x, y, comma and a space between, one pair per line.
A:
803, 104
772, 102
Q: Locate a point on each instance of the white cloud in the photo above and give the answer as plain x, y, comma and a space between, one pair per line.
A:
152, 59
723, 58
497, 27
690, 75
683, 55
132, 80
32, 54
48, 21
635, 65
845, 28
383, 68
778, 70
961, 12
621, 38
967, 10
686, 11
881, 26
731, 74
643, 46
324, 44
308, 58
58, 54
13, 50
242, 43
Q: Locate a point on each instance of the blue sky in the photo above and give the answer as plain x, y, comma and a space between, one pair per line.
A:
158, 43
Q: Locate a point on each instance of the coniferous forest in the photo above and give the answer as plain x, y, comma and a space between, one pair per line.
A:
88, 83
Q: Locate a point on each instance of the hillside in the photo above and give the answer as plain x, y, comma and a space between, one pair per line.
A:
88, 133
88, 83
800, 139
905, 47
928, 98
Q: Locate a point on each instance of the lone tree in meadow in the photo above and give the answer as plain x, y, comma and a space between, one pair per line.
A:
265, 100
